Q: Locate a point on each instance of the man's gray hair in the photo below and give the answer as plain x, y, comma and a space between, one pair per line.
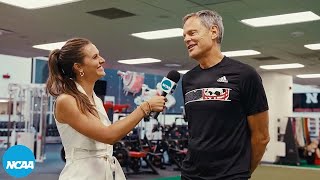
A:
208, 19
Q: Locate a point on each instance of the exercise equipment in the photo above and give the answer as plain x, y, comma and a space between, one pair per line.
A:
27, 110
131, 154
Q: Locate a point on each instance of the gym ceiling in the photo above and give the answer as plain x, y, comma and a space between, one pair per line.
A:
112, 33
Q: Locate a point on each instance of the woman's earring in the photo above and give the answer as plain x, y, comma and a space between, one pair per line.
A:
81, 74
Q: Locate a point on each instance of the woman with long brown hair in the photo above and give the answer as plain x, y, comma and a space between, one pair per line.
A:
85, 130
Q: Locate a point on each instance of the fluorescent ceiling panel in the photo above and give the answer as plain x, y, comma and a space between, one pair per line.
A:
183, 71
281, 19
240, 53
36, 4
282, 66
313, 46
160, 34
139, 61
50, 46
308, 75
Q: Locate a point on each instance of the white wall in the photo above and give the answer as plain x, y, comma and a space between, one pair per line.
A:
297, 88
18, 68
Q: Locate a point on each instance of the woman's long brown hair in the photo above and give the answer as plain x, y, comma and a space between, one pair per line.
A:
61, 74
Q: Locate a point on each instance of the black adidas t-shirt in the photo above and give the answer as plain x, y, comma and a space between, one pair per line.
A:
217, 103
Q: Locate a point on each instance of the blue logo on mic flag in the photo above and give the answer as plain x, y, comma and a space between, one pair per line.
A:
166, 85
18, 161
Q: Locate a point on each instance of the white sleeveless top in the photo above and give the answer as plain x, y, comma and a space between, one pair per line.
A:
88, 159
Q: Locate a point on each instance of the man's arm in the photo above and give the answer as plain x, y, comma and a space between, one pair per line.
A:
318, 152
258, 124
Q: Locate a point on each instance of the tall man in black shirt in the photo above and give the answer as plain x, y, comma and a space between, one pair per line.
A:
225, 104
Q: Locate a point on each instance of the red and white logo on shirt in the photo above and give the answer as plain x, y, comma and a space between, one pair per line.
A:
220, 94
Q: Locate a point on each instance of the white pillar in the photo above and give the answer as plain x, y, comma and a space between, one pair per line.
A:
278, 89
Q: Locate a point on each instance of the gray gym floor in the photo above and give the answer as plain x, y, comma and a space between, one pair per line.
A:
50, 169
52, 166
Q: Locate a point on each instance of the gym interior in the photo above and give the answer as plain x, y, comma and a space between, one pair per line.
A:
155, 148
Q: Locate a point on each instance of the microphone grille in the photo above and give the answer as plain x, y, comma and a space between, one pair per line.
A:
174, 76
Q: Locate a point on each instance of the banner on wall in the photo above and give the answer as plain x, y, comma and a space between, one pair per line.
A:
132, 81
306, 102
148, 93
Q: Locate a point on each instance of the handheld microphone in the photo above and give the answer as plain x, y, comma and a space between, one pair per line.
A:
168, 85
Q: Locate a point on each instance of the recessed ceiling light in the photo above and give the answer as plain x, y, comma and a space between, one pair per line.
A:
50, 46
313, 46
282, 66
282, 19
139, 61
160, 34
36, 4
297, 34
240, 53
183, 71
308, 75
4, 100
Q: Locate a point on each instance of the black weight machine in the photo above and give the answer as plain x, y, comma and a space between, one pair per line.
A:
131, 151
